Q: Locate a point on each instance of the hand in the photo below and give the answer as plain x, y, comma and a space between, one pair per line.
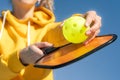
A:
33, 52
94, 21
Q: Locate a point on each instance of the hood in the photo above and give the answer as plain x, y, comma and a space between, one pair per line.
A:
42, 16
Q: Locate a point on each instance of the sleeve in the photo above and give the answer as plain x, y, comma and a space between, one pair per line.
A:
9, 66
54, 34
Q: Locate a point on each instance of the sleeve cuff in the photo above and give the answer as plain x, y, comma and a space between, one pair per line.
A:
14, 62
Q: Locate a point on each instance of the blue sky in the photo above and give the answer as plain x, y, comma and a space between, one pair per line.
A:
103, 64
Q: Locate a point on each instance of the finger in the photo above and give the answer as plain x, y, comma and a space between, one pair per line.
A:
34, 53
34, 49
92, 36
96, 25
43, 44
90, 16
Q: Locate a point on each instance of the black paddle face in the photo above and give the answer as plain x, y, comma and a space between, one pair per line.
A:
56, 57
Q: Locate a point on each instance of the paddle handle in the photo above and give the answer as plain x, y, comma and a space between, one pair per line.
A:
49, 50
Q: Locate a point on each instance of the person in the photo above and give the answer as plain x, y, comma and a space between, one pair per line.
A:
26, 29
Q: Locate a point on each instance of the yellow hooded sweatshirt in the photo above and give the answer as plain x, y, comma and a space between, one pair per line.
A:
17, 34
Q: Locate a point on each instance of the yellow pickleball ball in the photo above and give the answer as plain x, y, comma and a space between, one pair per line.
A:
74, 29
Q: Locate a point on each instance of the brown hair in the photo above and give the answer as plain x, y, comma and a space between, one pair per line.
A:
48, 4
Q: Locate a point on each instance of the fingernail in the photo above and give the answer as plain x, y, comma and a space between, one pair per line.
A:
88, 32
87, 25
51, 44
85, 43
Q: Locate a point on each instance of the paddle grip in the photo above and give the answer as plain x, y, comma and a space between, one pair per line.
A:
49, 50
